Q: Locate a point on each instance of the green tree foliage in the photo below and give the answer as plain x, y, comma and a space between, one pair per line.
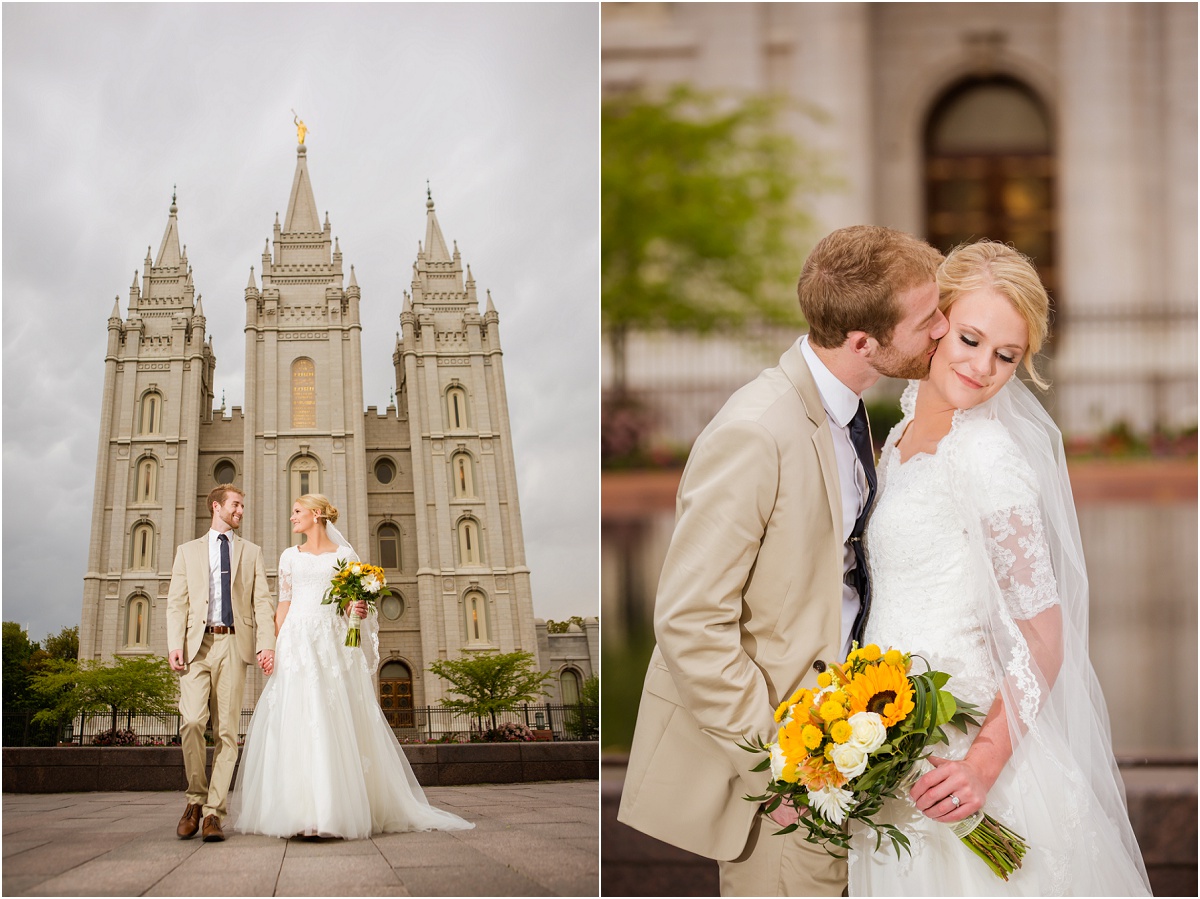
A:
560, 627
63, 645
701, 227
491, 682
142, 685
18, 651
583, 721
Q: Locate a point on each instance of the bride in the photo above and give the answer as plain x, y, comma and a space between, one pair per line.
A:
320, 758
976, 564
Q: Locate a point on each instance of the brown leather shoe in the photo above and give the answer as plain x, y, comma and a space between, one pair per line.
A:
190, 822
212, 829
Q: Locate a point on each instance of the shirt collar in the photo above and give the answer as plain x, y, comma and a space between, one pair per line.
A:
213, 534
839, 400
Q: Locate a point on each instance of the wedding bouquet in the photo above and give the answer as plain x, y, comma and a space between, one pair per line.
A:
353, 582
861, 738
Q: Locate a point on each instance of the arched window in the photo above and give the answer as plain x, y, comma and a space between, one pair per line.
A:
461, 468
469, 550
569, 682
475, 607
147, 480
137, 623
389, 546
224, 472
150, 417
304, 393
304, 476
141, 555
396, 694
456, 408
989, 170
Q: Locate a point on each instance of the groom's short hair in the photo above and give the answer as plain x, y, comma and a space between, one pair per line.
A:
217, 494
853, 278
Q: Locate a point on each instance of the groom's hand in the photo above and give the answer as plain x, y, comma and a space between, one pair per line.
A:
175, 658
784, 814
266, 661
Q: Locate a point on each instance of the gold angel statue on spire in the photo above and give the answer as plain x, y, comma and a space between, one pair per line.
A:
301, 128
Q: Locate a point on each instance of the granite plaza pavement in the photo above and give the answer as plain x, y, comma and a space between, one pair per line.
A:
530, 839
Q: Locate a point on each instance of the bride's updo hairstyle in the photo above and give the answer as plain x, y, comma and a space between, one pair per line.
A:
320, 505
988, 264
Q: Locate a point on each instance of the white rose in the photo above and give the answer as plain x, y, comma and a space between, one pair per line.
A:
831, 802
850, 759
778, 760
869, 732
356, 569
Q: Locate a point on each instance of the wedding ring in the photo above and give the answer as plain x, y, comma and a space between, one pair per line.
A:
954, 799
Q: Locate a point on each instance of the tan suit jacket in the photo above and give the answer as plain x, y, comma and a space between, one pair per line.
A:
749, 598
187, 600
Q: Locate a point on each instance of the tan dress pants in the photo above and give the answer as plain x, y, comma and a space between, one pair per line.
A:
781, 866
212, 683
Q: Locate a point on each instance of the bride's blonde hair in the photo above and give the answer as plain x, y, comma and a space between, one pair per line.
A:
320, 506
988, 264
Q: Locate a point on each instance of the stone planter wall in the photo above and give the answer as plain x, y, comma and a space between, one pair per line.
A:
73, 769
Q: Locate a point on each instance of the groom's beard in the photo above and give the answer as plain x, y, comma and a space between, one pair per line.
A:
891, 363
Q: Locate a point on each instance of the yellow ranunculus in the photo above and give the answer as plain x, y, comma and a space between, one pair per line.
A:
782, 710
811, 736
832, 710
802, 696
840, 731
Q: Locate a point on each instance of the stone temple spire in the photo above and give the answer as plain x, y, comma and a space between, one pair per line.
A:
169, 253
435, 244
302, 208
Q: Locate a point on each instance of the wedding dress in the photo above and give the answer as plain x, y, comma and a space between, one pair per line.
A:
975, 566
319, 756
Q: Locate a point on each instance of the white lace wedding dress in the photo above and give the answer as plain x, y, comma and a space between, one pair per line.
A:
319, 756
929, 600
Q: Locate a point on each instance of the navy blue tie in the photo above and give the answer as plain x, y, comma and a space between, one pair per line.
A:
860, 436
226, 582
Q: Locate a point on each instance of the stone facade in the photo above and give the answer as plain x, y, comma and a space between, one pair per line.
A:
1115, 85
427, 488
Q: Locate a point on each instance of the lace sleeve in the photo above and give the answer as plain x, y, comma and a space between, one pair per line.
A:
285, 576
1020, 557
1012, 522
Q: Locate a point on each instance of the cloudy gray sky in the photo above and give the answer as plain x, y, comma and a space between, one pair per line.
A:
107, 107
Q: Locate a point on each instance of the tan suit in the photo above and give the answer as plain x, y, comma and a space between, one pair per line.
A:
216, 671
748, 600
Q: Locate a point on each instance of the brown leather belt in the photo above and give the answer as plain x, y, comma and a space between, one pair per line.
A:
218, 629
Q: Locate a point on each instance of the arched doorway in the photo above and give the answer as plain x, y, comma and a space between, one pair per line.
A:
989, 171
396, 694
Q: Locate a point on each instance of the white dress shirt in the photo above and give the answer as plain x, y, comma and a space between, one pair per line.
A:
841, 405
214, 575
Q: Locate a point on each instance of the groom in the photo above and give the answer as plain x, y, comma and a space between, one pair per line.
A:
762, 578
219, 611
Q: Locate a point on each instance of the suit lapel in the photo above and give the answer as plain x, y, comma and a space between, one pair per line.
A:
235, 559
798, 373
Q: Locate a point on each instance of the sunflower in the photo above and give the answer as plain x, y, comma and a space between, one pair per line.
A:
882, 689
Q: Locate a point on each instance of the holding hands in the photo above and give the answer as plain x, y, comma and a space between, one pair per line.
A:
266, 661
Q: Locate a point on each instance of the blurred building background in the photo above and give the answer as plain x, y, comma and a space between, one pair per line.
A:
1066, 129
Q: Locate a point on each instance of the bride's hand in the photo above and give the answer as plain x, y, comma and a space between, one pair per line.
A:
932, 793
784, 814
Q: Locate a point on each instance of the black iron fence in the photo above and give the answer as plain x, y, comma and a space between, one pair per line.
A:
422, 725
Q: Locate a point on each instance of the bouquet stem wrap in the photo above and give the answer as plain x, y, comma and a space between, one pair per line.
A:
1000, 848
353, 635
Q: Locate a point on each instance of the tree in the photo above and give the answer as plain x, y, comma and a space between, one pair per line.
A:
138, 685
18, 649
583, 720
63, 645
699, 225
491, 682
561, 627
